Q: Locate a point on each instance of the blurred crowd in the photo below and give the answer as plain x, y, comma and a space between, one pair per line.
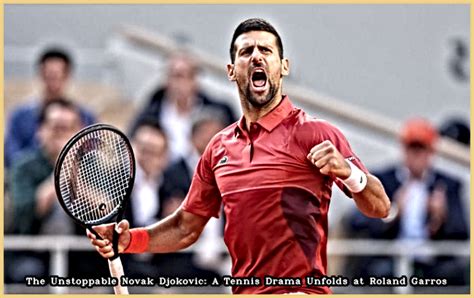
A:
168, 135
427, 204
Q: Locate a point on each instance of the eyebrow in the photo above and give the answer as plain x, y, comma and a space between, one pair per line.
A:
251, 45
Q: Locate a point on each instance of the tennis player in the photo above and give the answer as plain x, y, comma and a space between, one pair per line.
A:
272, 171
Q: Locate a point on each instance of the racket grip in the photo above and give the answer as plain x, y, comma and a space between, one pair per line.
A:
116, 270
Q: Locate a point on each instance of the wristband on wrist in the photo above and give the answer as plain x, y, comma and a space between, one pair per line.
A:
357, 181
139, 239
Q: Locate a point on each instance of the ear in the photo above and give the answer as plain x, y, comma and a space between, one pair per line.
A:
285, 67
231, 72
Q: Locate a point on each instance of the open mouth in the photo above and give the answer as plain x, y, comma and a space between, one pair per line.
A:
259, 78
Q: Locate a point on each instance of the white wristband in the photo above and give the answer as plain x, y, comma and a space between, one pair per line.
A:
357, 181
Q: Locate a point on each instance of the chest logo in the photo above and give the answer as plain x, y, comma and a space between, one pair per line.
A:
223, 160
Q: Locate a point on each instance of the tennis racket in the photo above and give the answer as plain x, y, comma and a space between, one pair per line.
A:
94, 177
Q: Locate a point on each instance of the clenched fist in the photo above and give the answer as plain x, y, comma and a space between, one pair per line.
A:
329, 160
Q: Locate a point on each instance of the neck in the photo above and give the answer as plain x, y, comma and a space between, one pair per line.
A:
253, 114
48, 96
417, 175
184, 106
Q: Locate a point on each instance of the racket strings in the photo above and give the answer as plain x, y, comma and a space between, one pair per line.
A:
96, 176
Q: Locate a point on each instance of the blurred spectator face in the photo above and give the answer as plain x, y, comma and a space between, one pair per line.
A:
204, 132
182, 85
150, 150
418, 158
59, 125
54, 74
418, 137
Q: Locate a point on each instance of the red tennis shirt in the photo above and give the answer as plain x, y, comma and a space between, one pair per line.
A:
275, 201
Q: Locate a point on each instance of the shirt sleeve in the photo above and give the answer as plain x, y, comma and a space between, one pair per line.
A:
321, 130
24, 183
344, 147
203, 197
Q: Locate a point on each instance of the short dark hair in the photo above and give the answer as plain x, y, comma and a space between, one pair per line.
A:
56, 53
62, 102
148, 121
254, 24
205, 115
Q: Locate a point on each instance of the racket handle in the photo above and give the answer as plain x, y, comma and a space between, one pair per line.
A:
116, 270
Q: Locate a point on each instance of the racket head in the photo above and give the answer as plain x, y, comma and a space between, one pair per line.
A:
94, 175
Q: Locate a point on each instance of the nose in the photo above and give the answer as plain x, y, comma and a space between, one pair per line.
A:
256, 55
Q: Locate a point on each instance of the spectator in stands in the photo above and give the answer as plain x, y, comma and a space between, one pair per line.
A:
150, 146
426, 205
151, 153
175, 102
54, 68
35, 206
206, 260
33, 193
156, 194
205, 125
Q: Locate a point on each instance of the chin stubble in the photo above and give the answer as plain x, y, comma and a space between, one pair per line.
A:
254, 101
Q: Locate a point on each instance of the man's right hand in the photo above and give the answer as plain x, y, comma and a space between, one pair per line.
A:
104, 247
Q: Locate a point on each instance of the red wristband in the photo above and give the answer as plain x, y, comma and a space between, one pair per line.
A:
139, 239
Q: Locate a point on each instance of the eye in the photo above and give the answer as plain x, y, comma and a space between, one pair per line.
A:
245, 51
265, 50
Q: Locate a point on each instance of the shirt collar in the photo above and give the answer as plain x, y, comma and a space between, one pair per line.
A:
403, 174
273, 118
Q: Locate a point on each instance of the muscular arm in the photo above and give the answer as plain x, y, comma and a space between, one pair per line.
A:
372, 201
175, 232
